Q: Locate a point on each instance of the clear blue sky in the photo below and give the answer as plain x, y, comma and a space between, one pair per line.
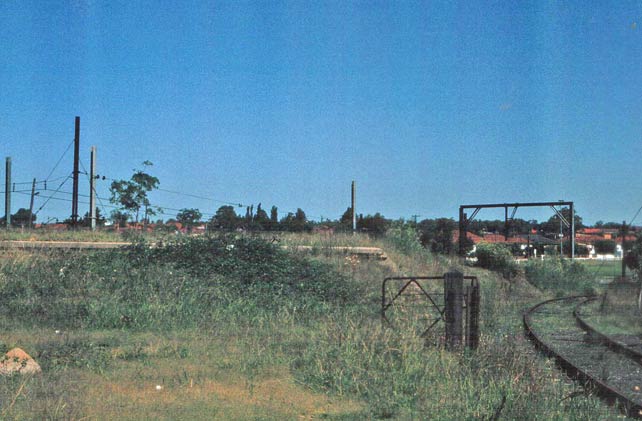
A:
427, 105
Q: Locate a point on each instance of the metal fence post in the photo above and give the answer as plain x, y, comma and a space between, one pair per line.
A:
453, 296
472, 315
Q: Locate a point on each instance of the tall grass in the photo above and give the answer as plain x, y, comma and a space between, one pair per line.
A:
70, 235
251, 310
560, 276
170, 285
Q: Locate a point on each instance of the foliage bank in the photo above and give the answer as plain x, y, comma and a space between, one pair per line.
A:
561, 276
496, 257
182, 283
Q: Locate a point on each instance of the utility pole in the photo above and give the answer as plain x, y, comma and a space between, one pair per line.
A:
74, 199
33, 193
561, 240
414, 218
572, 221
354, 211
92, 189
624, 231
7, 193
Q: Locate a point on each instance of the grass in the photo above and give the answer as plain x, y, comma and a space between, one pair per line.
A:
604, 268
45, 235
616, 313
254, 332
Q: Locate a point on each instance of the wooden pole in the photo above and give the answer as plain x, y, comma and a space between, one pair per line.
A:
33, 193
74, 199
624, 231
7, 193
92, 189
354, 211
453, 296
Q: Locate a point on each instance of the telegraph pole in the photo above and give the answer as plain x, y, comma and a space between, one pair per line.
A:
354, 211
33, 193
572, 221
74, 199
7, 193
624, 231
92, 189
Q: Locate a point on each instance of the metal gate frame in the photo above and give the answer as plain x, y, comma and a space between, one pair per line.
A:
471, 300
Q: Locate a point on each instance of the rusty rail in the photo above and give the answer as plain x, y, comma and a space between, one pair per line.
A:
611, 394
606, 339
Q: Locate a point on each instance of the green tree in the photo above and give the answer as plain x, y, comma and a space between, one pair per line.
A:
373, 224
131, 195
633, 256
225, 218
189, 217
437, 235
21, 218
552, 226
100, 219
604, 246
274, 218
119, 217
295, 222
261, 220
345, 222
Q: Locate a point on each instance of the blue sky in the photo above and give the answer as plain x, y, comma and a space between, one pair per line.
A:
427, 105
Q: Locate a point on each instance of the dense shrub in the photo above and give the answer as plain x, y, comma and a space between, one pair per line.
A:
561, 276
404, 238
604, 246
496, 257
173, 284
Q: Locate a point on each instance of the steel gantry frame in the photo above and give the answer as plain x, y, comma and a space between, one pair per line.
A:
464, 220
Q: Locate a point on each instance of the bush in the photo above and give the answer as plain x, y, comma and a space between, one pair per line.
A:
604, 246
182, 283
560, 276
498, 258
404, 238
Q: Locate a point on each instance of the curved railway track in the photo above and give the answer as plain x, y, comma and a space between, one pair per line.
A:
595, 359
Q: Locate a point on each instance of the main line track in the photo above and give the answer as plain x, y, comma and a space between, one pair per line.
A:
594, 359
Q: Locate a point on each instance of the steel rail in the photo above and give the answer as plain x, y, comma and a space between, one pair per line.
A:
611, 394
606, 339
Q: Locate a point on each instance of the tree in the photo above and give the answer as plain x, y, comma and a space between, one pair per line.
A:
86, 220
274, 219
604, 246
552, 226
261, 220
225, 218
21, 218
633, 260
437, 235
131, 195
633, 257
119, 218
189, 217
295, 222
345, 222
376, 225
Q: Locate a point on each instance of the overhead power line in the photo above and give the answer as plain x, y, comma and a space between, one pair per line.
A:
60, 159
51, 197
635, 216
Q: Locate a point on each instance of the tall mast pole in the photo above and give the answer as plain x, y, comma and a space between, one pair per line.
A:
74, 199
7, 193
92, 188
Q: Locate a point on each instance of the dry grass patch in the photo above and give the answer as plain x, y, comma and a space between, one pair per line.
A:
199, 397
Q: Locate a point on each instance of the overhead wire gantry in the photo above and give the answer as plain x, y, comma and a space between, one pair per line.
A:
464, 220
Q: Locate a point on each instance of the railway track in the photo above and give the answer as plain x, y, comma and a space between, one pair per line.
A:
557, 328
